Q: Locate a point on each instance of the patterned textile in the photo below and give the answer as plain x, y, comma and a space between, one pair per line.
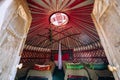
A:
75, 76
66, 55
97, 66
74, 66
42, 67
80, 72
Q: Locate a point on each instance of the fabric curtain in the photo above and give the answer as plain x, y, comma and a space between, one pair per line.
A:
59, 57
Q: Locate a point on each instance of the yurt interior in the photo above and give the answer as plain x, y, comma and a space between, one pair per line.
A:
59, 40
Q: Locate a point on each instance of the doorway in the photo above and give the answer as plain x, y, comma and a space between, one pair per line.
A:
9, 31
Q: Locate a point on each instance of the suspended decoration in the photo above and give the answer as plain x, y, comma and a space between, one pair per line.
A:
59, 56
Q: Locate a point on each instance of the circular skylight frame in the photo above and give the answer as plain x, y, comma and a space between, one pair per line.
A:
59, 19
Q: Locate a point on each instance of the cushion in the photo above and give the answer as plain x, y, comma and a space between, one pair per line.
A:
36, 78
42, 67
74, 66
97, 66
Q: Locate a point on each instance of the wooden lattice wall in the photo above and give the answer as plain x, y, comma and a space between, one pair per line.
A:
90, 56
33, 57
